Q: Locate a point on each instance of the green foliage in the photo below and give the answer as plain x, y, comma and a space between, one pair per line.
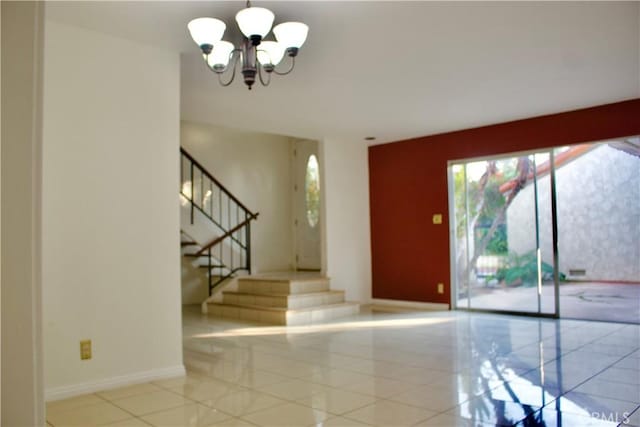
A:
490, 201
498, 243
312, 191
494, 200
522, 270
460, 200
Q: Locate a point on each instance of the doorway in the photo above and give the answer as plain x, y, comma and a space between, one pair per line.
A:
306, 205
549, 233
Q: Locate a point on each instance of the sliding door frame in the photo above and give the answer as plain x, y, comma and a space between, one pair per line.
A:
554, 226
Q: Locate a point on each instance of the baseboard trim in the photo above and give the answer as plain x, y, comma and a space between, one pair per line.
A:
391, 303
65, 392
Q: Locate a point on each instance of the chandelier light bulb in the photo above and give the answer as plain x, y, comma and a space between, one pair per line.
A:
291, 34
220, 55
206, 31
270, 53
255, 22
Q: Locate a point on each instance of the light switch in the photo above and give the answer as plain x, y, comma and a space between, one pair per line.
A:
440, 288
437, 218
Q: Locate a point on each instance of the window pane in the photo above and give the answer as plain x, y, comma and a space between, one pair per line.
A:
312, 191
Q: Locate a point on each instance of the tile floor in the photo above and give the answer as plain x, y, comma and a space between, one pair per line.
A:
385, 369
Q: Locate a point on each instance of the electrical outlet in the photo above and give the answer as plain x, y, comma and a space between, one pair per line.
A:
441, 288
85, 349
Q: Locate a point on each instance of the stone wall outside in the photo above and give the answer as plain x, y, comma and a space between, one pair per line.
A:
598, 216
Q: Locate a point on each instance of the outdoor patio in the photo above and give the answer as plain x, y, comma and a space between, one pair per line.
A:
614, 302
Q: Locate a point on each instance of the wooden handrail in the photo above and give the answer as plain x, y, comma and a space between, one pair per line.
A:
242, 211
227, 234
222, 187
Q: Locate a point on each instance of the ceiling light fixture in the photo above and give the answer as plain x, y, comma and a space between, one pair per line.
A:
256, 55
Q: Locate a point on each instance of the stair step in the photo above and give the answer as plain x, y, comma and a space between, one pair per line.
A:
268, 286
183, 244
282, 316
194, 255
291, 301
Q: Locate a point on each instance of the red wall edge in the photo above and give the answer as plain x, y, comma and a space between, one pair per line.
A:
408, 184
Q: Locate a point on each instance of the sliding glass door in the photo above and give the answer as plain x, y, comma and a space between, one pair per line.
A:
503, 234
552, 233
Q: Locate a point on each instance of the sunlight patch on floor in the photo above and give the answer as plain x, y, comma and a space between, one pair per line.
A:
330, 327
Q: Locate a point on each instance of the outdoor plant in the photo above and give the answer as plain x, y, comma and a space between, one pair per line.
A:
522, 270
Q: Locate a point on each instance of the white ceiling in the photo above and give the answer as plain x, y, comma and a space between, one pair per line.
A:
395, 69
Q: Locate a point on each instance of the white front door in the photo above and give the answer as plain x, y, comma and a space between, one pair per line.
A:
306, 202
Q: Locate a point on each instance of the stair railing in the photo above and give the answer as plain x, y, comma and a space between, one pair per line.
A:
230, 252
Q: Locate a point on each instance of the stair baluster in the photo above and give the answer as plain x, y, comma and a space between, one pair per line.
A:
230, 235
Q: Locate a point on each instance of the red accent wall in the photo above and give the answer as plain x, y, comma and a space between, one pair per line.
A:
408, 184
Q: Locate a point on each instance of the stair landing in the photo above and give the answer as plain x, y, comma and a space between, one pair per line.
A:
284, 299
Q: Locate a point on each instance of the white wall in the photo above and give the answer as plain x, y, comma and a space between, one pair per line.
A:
0, 228
255, 167
111, 259
347, 246
194, 282
22, 50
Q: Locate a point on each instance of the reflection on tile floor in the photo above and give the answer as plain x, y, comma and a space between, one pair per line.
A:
385, 369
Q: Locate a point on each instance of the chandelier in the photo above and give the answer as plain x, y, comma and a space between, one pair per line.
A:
256, 55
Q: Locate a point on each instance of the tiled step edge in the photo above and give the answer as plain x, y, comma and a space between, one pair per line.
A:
274, 316
280, 286
282, 316
317, 315
291, 301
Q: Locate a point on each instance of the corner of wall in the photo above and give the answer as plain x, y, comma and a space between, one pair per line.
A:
22, 355
347, 240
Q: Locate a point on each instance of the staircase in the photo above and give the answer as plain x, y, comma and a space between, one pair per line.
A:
222, 225
283, 299
211, 212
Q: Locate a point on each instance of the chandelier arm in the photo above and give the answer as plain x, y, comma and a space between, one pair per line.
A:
226, 67
261, 78
219, 71
233, 71
225, 84
284, 73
